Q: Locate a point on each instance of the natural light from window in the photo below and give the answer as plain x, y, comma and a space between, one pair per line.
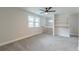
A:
33, 21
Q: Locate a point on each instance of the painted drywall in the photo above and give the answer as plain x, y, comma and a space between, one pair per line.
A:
78, 28
50, 24
43, 21
46, 25
14, 25
78, 31
78, 23
61, 24
74, 24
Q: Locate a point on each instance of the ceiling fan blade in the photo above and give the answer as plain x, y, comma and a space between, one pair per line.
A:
49, 8
52, 11
46, 9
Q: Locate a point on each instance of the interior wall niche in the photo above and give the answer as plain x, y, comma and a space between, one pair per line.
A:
61, 25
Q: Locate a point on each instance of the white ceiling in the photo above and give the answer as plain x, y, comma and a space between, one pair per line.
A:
59, 10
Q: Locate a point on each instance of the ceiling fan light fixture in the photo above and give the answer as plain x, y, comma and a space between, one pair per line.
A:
46, 13
47, 10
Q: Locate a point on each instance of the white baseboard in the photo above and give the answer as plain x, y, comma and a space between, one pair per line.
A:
20, 38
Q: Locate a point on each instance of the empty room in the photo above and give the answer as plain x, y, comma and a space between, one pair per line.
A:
39, 28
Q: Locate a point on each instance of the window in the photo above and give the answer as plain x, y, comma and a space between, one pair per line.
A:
50, 20
33, 21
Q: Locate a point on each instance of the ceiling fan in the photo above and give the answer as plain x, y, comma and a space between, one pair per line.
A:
47, 10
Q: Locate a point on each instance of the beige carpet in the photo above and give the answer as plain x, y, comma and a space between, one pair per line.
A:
43, 42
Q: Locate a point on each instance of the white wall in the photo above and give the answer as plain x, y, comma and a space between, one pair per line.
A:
48, 26
14, 25
43, 21
74, 24
78, 24
78, 29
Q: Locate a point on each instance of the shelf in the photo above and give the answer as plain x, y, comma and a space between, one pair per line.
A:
48, 26
62, 26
